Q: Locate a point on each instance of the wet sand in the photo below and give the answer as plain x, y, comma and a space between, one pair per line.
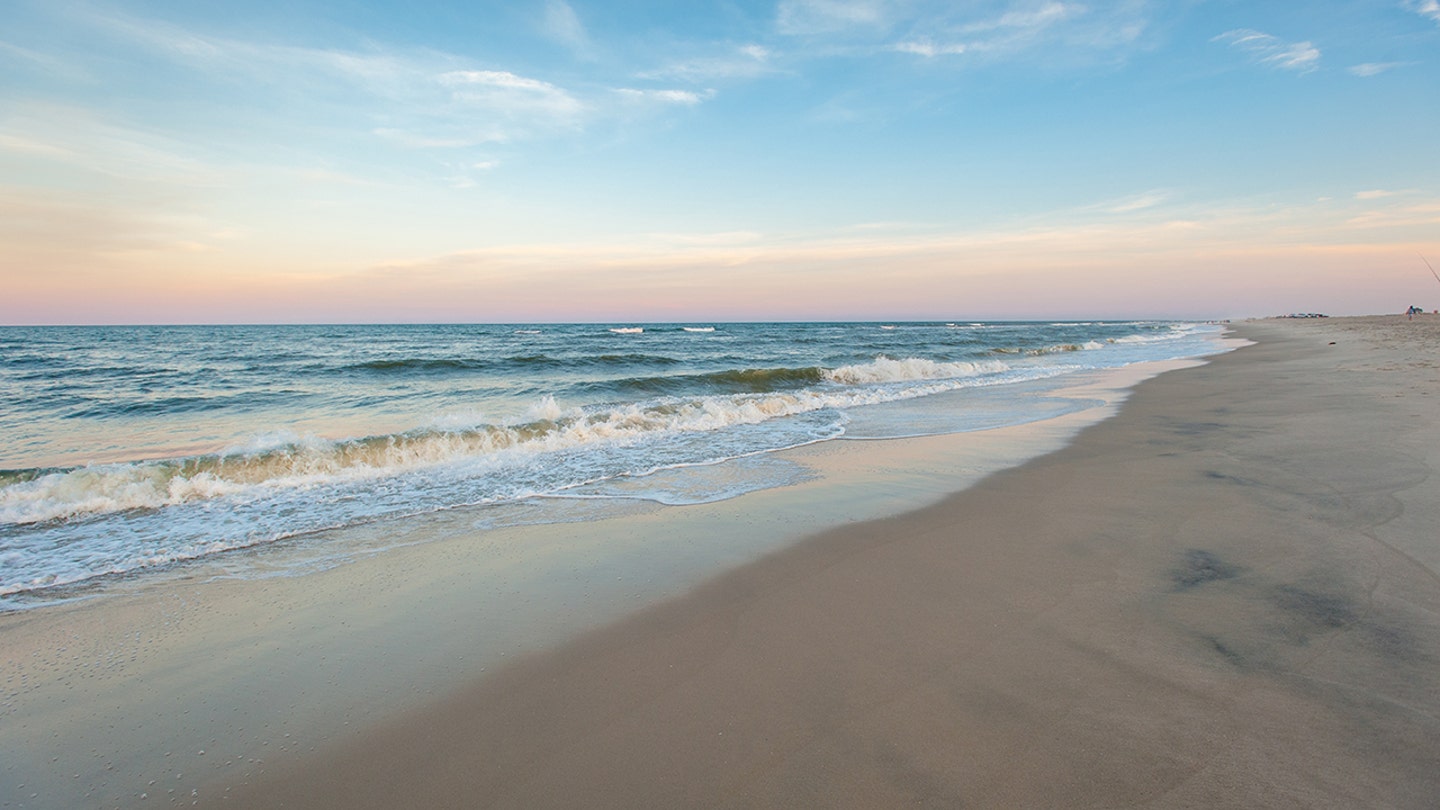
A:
1227, 596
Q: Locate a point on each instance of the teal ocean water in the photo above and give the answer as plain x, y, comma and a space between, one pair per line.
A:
127, 449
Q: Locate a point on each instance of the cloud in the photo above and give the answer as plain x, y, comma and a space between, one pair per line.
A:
31, 146
419, 99
55, 68
1028, 19
73, 231
685, 98
1301, 57
742, 62
809, 17
1165, 261
1426, 8
1057, 27
1199, 260
562, 25
92, 145
1368, 69
475, 107
509, 94
1137, 203
928, 49
1422, 215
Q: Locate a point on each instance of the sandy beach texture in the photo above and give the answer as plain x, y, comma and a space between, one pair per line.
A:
1226, 596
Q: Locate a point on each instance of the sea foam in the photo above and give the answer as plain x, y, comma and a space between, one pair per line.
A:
218, 439
280, 460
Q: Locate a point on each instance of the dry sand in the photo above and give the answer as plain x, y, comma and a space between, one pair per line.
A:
1227, 596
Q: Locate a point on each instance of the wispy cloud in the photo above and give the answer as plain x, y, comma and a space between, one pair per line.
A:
32, 146
1426, 8
1422, 214
1301, 57
562, 25
1368, 69
685, 98
416, 98
809, 17
928, 48
1023, 28
1139, 202
41, 61
1023, 266
1026, 18
729, 62
98, 147
468, 174
505, 92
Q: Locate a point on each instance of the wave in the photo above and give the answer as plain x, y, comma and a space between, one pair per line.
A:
440, 366
524, 360
1158, 337
1059, 348
421, 364
1172, 332
38, 496
750, 380
165, 406
884, 369
628, 330
629, 359
766, 380
698, 328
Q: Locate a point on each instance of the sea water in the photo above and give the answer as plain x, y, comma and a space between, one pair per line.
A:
130, 449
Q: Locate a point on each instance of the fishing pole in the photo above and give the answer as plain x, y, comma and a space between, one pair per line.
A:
1427, 264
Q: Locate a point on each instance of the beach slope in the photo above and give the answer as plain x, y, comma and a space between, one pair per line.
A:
1226, 596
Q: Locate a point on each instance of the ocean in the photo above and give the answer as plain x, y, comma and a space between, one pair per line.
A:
127, 450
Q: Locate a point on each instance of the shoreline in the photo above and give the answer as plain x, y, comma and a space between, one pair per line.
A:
276, 487
108, 697
290, 664
1216, 598
1065, 646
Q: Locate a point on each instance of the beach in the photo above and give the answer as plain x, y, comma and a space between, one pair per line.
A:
1227, 594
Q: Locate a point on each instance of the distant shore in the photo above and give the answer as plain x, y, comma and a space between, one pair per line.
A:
1226, 595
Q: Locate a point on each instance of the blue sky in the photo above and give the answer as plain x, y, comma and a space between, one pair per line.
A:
449, 161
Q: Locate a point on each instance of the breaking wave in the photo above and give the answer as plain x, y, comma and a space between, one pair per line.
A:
752, 396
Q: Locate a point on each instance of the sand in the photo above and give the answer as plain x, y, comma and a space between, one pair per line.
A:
1226, 596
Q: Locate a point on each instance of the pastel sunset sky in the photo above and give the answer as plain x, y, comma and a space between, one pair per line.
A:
383, 161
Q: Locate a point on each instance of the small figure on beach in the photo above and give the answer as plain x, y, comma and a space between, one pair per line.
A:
1410, 313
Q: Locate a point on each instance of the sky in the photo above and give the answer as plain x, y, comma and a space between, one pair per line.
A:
374, 161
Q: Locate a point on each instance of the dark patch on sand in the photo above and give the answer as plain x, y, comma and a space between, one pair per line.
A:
1394, 640
1230, 654
1229, 479
1196, 428
1199, 566
1323, 609
1312, 612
